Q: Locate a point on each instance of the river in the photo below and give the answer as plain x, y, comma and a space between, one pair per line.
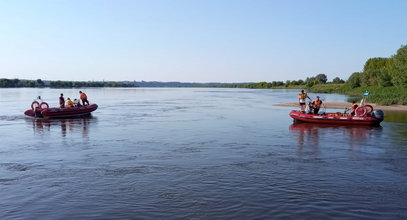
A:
195, 153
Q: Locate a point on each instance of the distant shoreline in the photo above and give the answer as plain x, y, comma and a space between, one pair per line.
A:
342, 105
39, 83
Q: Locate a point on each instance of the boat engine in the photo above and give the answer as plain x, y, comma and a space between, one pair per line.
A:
378, 114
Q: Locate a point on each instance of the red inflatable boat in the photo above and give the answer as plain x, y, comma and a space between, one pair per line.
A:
371, 118
44, 111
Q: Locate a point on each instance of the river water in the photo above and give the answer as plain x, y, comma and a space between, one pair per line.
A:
174, 153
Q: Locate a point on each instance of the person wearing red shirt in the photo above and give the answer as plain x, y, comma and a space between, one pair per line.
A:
84, 98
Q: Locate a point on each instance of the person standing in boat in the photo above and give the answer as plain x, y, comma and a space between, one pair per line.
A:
316, 105
301, 99
61, 101
84, 98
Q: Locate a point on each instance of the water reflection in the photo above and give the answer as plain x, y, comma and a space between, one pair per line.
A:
395, 116
310, 134
66, 125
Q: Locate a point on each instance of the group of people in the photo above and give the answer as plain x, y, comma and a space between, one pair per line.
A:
68, 103
315, 106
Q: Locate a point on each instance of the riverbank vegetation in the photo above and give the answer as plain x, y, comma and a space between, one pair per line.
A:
17, 83
291, 84
384, 78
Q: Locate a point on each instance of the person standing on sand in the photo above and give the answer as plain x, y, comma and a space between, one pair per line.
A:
84, 98
301, 99
61, 101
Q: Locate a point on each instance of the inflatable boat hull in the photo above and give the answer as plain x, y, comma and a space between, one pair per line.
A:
334, 118
62, 112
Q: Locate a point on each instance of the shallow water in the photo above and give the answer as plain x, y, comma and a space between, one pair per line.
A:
151, 153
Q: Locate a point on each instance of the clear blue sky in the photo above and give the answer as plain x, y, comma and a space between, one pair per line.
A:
196, 41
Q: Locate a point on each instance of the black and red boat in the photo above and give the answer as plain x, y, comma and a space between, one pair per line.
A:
364, 115
42, 110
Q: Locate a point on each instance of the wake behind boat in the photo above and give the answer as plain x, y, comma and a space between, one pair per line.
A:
42, 110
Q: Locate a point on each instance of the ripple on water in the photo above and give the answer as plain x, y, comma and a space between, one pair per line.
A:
122, 171
11, 118
15, 166
196, 154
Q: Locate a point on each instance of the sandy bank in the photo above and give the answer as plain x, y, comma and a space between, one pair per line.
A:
342, 105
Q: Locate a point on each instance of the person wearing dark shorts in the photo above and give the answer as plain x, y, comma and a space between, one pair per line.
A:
84, 98
301, 100
61, 101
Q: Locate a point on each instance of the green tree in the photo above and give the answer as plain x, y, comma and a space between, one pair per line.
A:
322, 78
377, 71
277, 83
354, 80
371, 77
39, 83
294, 83
390, 66
29, 83
400, 67
311, 81
338, 80
377, 63
9, 83
385, 80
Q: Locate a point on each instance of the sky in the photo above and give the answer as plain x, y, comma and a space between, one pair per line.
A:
196, 40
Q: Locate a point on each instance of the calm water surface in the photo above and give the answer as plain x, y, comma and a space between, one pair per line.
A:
151, 153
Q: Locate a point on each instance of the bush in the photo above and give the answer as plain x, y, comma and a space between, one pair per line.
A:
321, 78
338, 80
385, 80
354, 80
400, 67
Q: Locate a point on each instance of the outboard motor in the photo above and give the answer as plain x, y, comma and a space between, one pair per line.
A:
378, 114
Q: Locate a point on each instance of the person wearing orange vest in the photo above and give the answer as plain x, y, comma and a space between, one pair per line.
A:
301, 99
316, 105
84, 98
352, 108
68, 103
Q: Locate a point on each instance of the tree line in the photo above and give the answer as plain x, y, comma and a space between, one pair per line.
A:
383, 72
308, 82
17, 83
379, 71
